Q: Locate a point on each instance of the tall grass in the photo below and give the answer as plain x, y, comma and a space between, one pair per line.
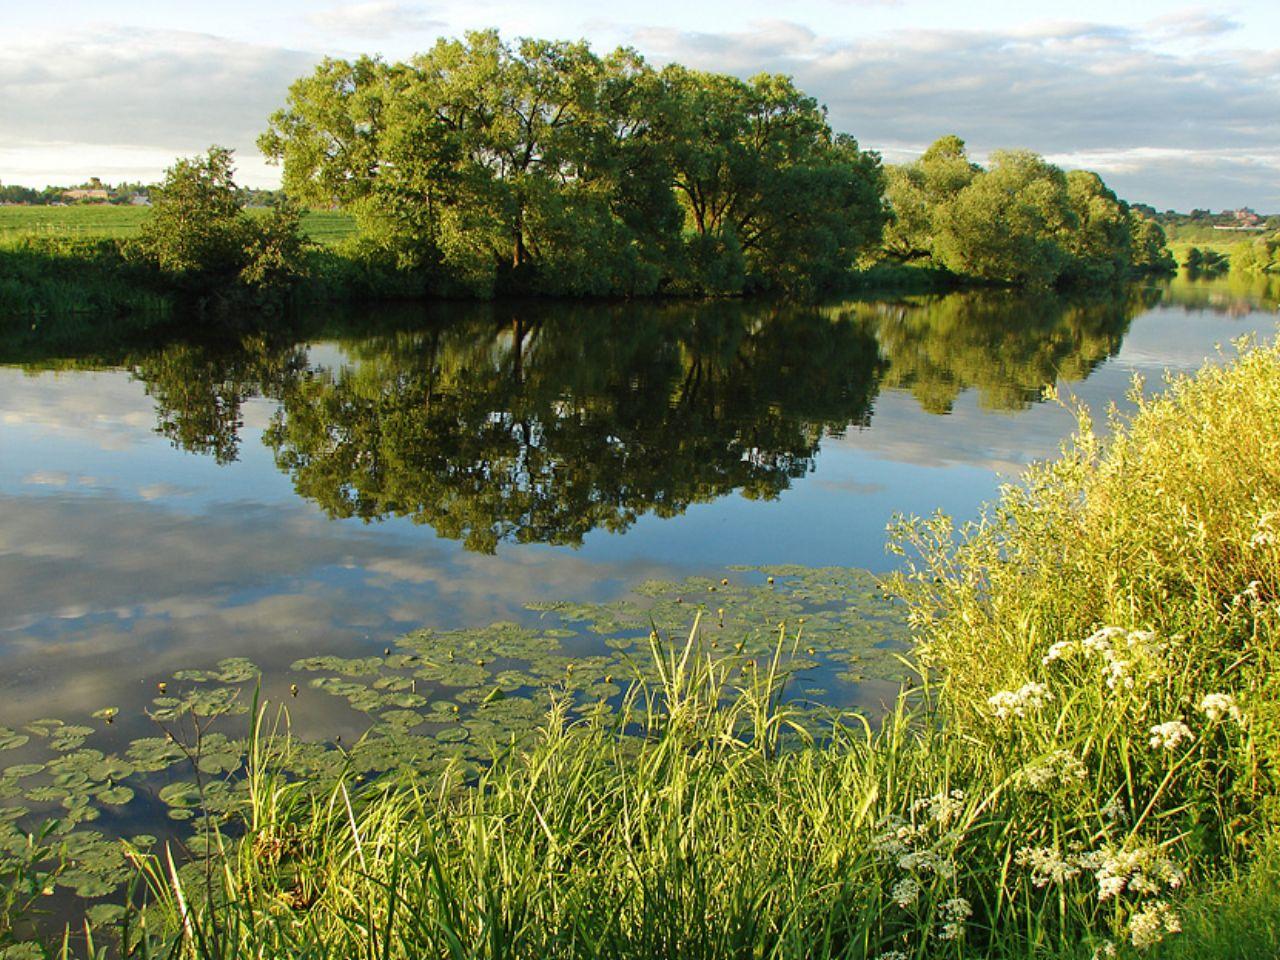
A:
1085, 768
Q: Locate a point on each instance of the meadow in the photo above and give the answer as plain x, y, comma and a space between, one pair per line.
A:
104, 221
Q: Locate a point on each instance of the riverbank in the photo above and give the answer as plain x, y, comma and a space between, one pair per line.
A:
1087, 758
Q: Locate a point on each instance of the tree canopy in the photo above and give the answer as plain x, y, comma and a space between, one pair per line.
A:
1021, 220
202, 241
542, 166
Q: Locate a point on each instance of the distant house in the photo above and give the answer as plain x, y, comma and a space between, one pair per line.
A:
140, 200
86, 196
1242, 219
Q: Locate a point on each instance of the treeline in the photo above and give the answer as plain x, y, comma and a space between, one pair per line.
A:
482, 168
540, 166
1020, 221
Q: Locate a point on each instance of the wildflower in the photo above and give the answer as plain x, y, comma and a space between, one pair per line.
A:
1170, 735
1141, 870
1105, 950
1148, 926
1047, 865
1114, 811
942, 807
1060, 767
954, 913
927, 861
888, 954
1266, 532
1018, 703
1215, 706
1059, 650
906, 891
895, 837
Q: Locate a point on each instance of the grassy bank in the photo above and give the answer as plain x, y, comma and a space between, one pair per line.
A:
1086, 766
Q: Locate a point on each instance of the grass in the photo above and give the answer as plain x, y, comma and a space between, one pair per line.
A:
1086, 767
92, 222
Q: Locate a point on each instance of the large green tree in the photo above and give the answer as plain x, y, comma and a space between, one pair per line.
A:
543, 166
1022, 221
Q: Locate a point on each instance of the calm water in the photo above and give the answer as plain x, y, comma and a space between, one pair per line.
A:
162, 507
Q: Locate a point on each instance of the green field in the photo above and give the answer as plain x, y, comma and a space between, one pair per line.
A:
326, 227
1183, 238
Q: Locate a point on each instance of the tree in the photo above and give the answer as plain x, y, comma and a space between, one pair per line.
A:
916, 193
1022, 221
1007, 224
196, 231
201, 240
542, 166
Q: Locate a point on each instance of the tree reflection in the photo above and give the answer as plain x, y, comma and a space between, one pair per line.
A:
1007, 346
542, 422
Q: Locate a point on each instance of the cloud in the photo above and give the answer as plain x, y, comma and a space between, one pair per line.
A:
1193, 24
1193, 128
128, 101
376, 18
1185, 120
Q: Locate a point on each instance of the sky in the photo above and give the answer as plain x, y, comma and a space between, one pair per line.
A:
1176, 106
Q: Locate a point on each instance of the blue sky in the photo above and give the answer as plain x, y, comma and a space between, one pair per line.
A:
1175, 105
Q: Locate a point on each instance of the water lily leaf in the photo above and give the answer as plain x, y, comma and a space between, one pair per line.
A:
104, 914
114, 796
180, 794
11, 739
20, 770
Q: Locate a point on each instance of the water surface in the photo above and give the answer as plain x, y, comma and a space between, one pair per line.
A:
166, 505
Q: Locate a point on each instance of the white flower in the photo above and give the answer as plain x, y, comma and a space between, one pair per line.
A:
1046, 865
906, 892
1215, 706
942, 807
1061, 766
1265, 531
1018, 703
892, 955
1115, 811
1148, 926
1140, 870
1059, 650
954, 913
1170, 735
1105, 950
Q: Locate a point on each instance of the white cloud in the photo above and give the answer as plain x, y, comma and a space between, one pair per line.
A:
123, 103
376, 18
1183, 129
1176, 123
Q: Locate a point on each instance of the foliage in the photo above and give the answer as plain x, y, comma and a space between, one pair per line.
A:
201, 240
1260, 256
542, 166
1206, 262
1022, 221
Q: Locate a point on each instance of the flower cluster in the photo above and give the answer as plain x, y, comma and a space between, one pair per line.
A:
1266, 531
1060, 767
1148, 926
1028, 698
1047, 865
1170, 735
1118, 649
1141, 870
1219, 706
953, 913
